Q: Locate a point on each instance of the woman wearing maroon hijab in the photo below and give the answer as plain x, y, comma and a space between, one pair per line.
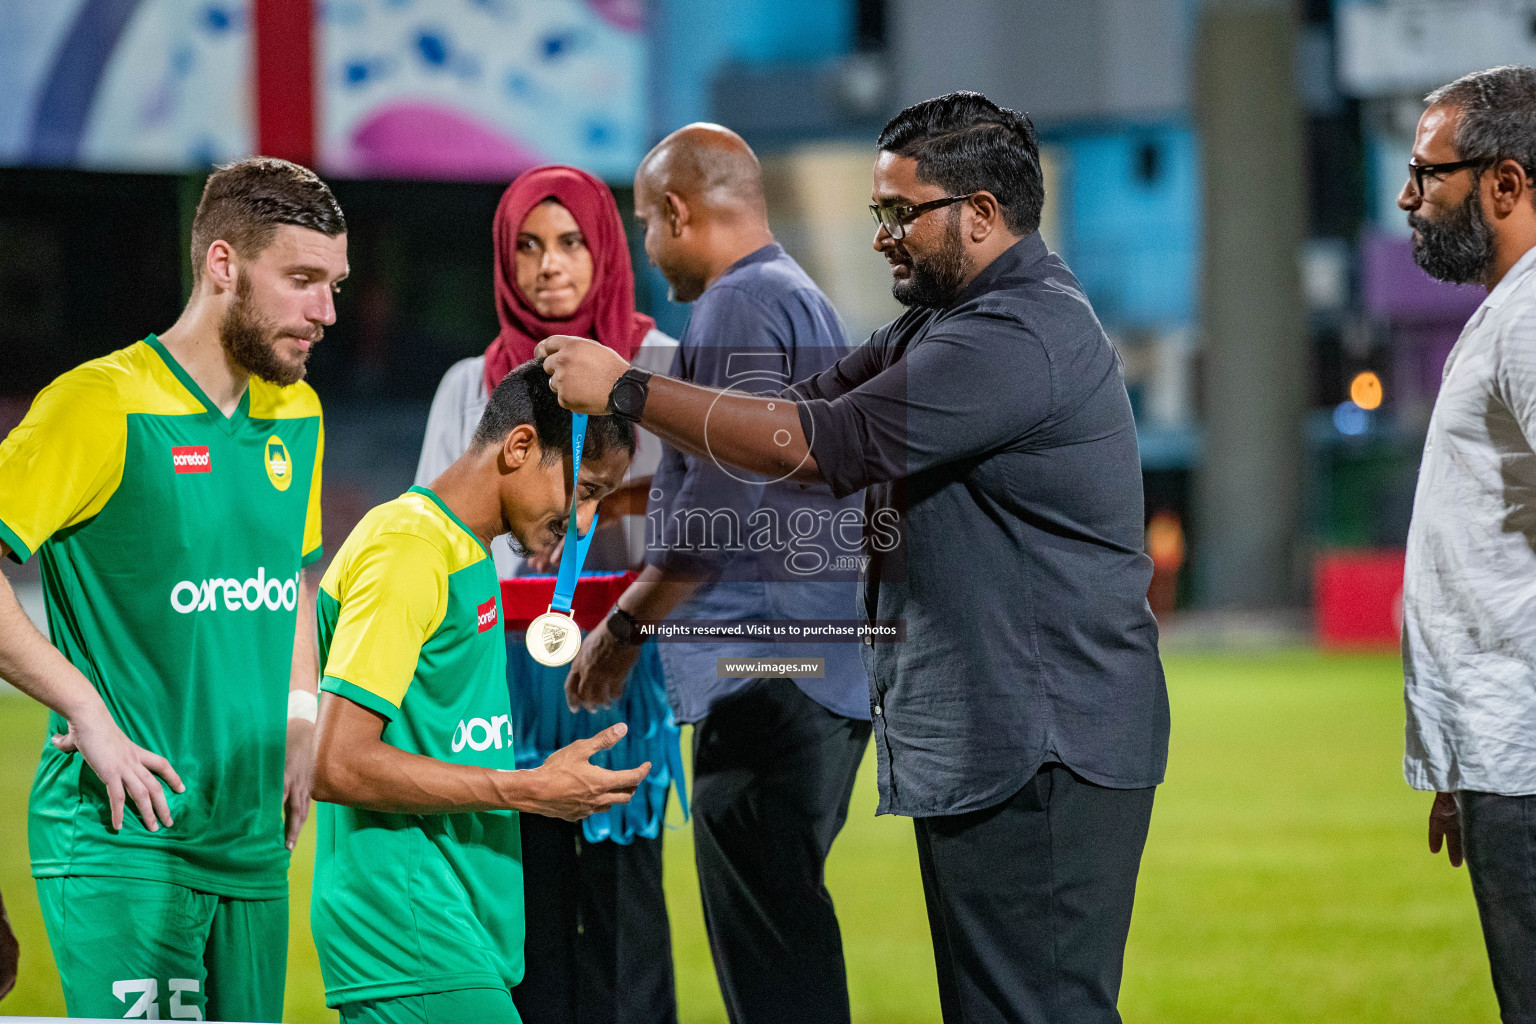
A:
598, 946
562, 267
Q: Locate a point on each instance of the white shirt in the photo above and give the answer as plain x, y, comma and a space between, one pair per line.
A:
1469, 593
456, 411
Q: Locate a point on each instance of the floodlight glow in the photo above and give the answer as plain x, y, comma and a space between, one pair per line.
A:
1365, 390
1350, 419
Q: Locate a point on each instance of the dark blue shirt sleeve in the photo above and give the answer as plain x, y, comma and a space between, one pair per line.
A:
973, 383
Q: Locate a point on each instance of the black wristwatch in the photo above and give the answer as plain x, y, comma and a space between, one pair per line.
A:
623, 627
627, 399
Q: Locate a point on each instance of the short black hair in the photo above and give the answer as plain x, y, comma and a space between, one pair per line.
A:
1498, 115
963, 142
243, 203
525, 397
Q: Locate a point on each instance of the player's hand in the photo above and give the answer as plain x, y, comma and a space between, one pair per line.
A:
1445, 824
572, 788
582, 372
125, 768
298, 777
599, 672
10, 954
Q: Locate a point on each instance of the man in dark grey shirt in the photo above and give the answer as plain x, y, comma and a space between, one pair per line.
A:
1023, 723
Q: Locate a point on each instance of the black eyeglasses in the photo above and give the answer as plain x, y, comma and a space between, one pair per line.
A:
896, 218
1417, 171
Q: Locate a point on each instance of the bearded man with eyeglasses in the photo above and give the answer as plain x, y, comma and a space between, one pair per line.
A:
1022, 722
1469, 636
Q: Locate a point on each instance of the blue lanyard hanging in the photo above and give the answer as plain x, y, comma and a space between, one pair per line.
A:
574, 554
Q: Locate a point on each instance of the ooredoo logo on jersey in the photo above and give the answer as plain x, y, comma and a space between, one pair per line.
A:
487, 615
481, 733
259, 591
191, 459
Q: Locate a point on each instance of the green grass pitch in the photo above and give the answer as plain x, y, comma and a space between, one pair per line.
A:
1287, 877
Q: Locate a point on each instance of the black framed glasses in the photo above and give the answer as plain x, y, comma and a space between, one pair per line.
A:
896, 218
1437, 171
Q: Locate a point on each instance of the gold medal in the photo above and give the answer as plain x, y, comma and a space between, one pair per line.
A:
553, 639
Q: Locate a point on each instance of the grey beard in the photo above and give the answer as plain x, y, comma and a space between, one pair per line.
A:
1459, 248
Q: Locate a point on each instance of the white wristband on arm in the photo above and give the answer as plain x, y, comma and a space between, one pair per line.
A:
303, 704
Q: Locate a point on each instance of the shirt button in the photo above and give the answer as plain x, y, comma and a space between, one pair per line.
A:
869, 639
877, 709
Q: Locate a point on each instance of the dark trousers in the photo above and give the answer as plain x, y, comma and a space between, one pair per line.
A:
599, 947
1499, 838
772, 775
1030, 901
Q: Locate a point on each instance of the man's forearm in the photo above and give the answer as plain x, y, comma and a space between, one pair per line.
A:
305, 673
655, 593
355, 767
380, 777
759, 435
35, 667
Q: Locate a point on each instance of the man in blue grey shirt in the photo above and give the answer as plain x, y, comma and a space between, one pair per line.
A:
774, 758
1023, 722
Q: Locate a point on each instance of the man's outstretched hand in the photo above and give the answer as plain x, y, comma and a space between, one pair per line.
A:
597, 675
572, 788
1445, 825
582, 372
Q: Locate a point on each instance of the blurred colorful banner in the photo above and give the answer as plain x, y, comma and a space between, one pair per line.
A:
446, 89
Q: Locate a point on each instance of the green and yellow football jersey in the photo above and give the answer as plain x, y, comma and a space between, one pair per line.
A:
410, 628
171, 539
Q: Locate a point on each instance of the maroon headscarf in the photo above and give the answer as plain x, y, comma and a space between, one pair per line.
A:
607, 312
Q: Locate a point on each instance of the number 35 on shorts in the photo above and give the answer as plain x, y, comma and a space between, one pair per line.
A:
142, 996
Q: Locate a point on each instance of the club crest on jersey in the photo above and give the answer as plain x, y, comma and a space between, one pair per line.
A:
487, 615
279, 464
191, 459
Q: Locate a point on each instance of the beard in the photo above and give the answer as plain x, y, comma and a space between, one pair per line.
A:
1458, 247
934, 278
681, 285
250, 341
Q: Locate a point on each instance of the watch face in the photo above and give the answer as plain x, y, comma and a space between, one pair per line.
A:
626, 394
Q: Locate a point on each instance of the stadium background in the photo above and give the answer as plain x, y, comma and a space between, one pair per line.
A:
1220, 175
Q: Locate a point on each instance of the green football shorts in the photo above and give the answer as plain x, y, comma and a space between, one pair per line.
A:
462, 1006
126, 947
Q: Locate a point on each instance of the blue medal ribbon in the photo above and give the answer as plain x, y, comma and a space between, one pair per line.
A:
574, 554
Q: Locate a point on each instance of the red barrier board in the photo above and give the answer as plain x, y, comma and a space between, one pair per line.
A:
1358, 598
527, 597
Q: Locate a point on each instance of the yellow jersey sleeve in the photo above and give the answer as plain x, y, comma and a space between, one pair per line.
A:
392, 594
313, 544
63, 462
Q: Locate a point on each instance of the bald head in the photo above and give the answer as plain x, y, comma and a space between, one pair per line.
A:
709, 166
699, 197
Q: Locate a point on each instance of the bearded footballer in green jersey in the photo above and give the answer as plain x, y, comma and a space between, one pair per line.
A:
171, 490
417, 909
